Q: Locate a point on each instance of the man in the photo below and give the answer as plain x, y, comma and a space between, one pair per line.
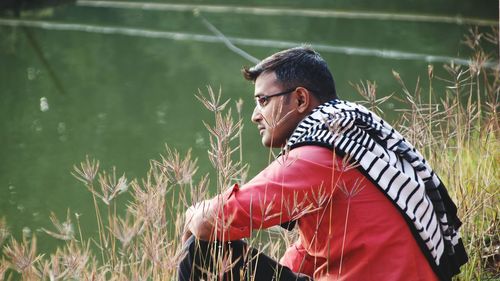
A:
366, 204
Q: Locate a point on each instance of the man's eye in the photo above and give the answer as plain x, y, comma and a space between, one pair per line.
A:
262, 100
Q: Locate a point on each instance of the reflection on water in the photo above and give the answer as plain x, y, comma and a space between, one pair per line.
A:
283, 11
346, 50
117, 83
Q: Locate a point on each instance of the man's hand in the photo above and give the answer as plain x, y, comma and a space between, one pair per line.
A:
199, 222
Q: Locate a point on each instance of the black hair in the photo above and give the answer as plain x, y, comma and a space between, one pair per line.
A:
298, 67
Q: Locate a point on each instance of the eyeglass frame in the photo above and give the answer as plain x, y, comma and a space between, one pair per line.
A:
265, 98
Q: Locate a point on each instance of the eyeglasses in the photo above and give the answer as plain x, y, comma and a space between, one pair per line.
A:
261, 101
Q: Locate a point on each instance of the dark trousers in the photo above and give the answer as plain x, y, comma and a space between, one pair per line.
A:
231, 261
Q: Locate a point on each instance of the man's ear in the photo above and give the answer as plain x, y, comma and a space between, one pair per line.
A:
303, 99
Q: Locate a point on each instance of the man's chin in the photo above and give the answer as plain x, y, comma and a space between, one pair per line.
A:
269, 143
265, 143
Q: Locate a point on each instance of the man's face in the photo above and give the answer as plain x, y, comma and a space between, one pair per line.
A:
278, 117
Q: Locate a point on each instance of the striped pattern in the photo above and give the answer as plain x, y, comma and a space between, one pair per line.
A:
392, 163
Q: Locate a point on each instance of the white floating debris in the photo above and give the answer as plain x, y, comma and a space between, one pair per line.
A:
160, 117
26, 232
200, 140
31, 71
37, 126
61, 128
44, 104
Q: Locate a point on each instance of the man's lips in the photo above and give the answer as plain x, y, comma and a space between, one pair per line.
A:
261, 128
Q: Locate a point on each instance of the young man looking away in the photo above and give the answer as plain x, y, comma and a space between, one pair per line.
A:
366, 203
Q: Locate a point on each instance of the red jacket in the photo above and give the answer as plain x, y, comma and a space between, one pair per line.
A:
348, 229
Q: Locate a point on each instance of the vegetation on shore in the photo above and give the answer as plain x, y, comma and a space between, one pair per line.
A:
458, 133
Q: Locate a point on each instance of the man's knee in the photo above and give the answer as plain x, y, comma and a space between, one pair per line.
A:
189, 244
186, 264
196, 247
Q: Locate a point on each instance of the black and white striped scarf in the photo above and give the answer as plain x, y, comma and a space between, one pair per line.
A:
397, 169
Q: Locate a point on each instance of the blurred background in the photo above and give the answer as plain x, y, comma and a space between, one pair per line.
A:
116, 80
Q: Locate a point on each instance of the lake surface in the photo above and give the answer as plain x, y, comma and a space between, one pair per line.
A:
116, 80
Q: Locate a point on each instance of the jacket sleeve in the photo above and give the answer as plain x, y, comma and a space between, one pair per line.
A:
292, 186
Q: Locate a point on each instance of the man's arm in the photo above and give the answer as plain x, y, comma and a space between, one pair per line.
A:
287, 189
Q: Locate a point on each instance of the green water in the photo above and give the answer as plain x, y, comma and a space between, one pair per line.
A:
119, 96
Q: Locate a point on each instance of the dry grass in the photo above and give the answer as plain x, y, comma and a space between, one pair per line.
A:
458, 133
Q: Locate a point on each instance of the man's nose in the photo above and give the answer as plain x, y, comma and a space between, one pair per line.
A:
256, 115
